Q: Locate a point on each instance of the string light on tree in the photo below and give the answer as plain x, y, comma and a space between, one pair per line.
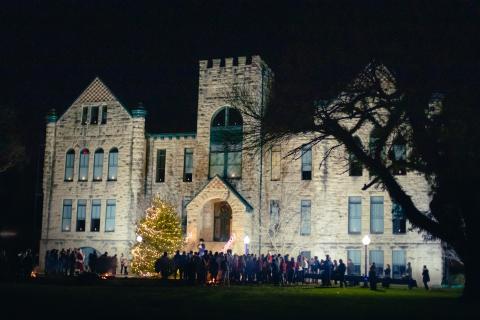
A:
159, 231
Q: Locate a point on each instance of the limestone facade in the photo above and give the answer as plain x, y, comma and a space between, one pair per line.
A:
250, 197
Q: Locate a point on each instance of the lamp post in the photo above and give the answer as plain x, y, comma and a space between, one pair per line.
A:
366, 242
246, 241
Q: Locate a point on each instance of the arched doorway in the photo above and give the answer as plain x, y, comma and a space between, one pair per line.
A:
222, 221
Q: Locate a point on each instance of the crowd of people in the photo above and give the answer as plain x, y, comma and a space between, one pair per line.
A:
206, 267
74, 261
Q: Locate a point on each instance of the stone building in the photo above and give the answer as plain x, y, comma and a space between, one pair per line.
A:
101, 169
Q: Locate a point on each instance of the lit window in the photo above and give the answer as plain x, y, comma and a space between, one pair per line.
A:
66, 215
376, 214
81, 214
188, 165
112, 164
354, 215
306, 163
398, 264
110, 216
222, 219
353, 262
305, 228
376, 256
98, 165
83, 165
69, 164
226, 137
95, 216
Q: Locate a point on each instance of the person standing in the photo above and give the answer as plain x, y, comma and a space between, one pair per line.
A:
408, 273
372, 276
425, 277
341, 273
387, 277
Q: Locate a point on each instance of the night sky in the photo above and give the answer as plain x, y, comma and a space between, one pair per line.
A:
51, 50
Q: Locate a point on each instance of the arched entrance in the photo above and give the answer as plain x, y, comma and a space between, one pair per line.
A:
222, 221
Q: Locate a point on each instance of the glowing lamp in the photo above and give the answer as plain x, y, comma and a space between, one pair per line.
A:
139, 238
366, 240
246, 240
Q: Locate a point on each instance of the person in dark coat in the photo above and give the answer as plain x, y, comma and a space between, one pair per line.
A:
372, 277
341, 268
387, 276
425, 277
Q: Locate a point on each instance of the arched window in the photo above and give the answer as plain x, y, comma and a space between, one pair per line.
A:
83, 166
355, 166
226, 135
69, 163
222, 221
399, 156
98, 165
112, 164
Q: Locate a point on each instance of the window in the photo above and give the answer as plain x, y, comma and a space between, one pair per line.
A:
274, 215
275, 163
161, 154
81, 214
110, 216
374, 145
94, 115
305, 218
226, 137
66, 215
83, 166
185, 201
84, 115
222, 221
306, 163
376, 256
188, 165
98, 165
398, 264
112, 164
69, 163
354, 215
399, 156
355, 166
353, 262
376, 214
306, 254
104, 114
95, 216
399, 221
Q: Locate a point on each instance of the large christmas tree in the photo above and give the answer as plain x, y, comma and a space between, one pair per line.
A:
158, 232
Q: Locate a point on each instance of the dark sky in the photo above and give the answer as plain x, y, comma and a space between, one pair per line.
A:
51, 50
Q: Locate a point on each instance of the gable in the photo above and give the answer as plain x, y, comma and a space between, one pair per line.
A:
97, 91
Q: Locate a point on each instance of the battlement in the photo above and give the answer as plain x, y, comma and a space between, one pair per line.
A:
229, 62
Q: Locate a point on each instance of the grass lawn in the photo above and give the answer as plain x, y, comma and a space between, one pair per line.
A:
127, 298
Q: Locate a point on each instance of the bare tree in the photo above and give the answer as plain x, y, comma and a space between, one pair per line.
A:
439, 132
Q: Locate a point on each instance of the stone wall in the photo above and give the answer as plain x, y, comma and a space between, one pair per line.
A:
122, 132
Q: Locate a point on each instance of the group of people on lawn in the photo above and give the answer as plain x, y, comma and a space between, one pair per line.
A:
206, 267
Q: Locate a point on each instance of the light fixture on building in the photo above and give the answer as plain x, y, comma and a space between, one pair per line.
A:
246, 241
139, 238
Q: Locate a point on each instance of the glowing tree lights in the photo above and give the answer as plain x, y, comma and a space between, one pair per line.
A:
158, 232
